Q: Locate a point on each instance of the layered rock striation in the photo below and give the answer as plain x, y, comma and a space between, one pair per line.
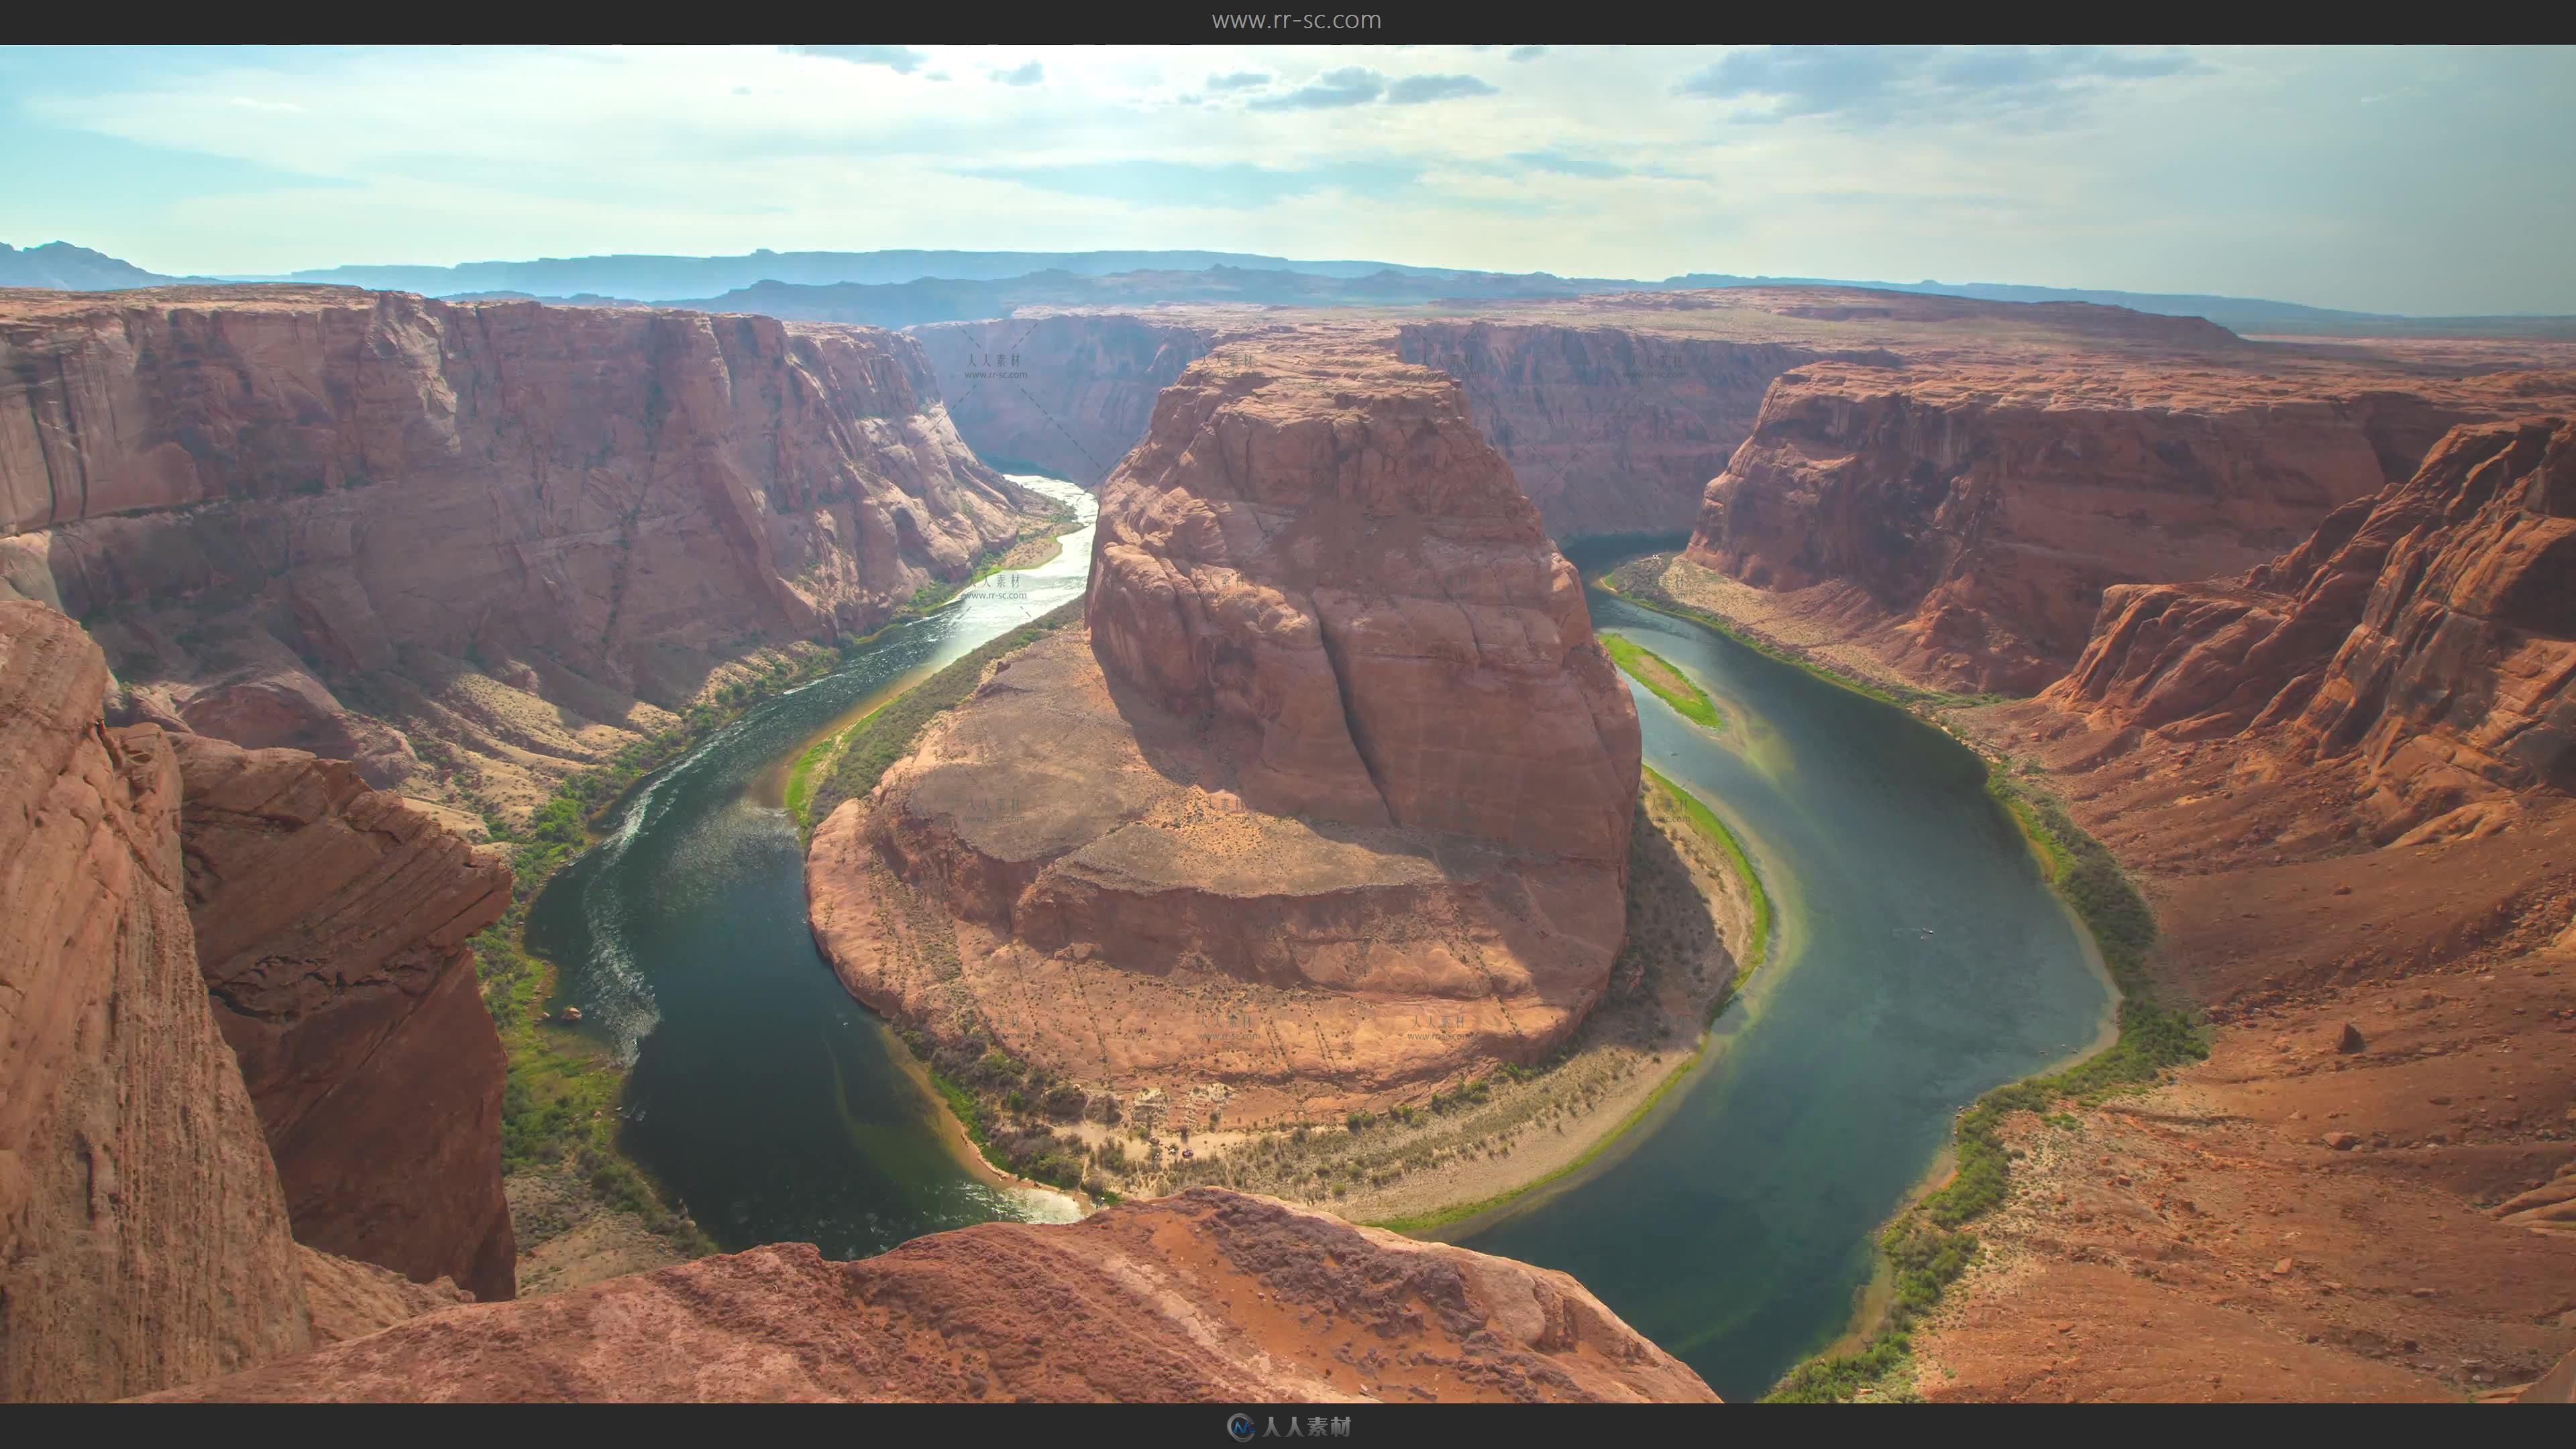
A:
144, 1240
1329, 802
1984, 515
1610, 430
1065, 395
331, 925
1204, 1297
291, 512
1327, 552
2425, 636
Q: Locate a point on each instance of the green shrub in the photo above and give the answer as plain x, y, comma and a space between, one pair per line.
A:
1928, 1247
876, 742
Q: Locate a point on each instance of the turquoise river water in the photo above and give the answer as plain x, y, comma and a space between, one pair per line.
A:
1922, 960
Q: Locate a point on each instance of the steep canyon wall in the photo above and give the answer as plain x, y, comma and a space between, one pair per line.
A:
291, 512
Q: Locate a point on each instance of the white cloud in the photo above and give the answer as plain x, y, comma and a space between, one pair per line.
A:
2256, 173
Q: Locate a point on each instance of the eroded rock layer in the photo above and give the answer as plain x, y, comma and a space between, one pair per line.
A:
316, 517
1985, 516
1325, 550
1066, 396
1067, 871
1207, 1296
1329, 802
331, 925
2425, 635
143, 1238
1609, 430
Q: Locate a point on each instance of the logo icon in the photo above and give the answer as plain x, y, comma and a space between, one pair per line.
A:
1240, 1426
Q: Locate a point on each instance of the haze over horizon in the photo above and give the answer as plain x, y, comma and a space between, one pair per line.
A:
2295, 175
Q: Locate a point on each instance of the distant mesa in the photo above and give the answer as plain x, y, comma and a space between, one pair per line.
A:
809, 285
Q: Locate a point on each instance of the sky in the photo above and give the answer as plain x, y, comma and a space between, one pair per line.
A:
2416, 180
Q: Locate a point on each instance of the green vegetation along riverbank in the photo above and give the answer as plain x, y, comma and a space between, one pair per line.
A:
1757, 946
849, 764
561, 1096
1930, 1243
1669, 684
1666, 803
1640, 582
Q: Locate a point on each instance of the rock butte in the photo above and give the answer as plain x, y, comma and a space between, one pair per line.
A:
1205, 1296
1240, 833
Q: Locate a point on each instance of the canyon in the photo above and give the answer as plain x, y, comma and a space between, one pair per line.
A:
1961, 523
1066, 396
1324, 805
1223, 849
159, 883
299, 931
470, 548
2341, 779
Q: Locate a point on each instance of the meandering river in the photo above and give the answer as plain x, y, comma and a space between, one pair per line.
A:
765, 1099
1922, 961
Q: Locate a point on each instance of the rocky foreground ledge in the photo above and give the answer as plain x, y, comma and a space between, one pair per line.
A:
1205, 1296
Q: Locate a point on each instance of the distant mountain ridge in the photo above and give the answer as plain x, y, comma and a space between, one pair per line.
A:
2241, 315
64, 267
668, 278
901, 288
937, 299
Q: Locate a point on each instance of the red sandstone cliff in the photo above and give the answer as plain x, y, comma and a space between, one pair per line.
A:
331, 924
1983, 512
1066, 396
1327, 550
1204, 1297
1609, 430
2426, 636
271, 502
2343, 779
143, 1238
1329, 804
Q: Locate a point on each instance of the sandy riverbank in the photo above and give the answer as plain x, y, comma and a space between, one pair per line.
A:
1428, 1171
